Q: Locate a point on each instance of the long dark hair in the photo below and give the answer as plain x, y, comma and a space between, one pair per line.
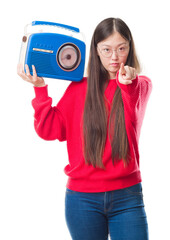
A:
95, 113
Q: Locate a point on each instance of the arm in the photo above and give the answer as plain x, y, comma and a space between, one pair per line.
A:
135, 91
48, 121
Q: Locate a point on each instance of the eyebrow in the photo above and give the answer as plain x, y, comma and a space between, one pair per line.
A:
117, 45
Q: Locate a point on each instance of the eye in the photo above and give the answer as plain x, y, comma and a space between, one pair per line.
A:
121, 49
106, 50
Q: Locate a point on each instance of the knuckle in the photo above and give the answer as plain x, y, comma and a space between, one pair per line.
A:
28, 75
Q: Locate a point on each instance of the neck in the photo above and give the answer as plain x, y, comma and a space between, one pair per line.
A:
112, 75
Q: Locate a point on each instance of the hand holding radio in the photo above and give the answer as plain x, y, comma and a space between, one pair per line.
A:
34, 79
126, 74
58, 54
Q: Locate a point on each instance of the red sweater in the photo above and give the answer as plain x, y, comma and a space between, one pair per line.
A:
63, 122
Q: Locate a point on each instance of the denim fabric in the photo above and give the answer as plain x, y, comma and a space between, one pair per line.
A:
119, 214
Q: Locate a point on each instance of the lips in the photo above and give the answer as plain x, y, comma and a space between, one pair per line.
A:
114, 64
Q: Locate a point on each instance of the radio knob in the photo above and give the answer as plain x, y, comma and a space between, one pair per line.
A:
68, 57
24, 39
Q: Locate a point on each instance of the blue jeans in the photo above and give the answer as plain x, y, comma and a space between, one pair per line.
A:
95, 216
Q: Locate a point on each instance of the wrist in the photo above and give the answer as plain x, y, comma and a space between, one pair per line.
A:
41, 92
40, 85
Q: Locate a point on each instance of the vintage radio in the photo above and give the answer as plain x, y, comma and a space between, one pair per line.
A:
58, 52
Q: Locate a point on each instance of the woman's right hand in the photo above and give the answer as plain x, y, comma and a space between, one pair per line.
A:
37, 81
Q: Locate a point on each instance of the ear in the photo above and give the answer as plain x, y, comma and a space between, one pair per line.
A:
97, 49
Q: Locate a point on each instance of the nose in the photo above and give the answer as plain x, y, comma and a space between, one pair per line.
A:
114, 55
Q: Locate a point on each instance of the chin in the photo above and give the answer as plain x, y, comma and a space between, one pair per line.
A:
114, 69
113, 72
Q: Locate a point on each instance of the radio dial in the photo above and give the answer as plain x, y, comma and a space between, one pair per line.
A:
68, 57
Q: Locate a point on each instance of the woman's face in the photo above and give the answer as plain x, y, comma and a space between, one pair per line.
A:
113, 51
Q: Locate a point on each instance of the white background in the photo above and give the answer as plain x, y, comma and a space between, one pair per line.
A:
32, 180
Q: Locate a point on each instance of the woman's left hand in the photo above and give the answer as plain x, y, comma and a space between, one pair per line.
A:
126, 74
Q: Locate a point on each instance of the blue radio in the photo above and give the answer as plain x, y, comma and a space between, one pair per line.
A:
53, 53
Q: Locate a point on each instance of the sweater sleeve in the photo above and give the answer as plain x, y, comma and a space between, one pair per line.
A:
135, 96
49, 122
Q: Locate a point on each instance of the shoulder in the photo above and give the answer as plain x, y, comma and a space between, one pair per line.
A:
74, 87
145, 78
81, 83
73, 94
146, 84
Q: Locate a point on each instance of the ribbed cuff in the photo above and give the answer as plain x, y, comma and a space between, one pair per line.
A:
130, 87
41, 92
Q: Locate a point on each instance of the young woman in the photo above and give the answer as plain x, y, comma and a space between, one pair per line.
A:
100, 117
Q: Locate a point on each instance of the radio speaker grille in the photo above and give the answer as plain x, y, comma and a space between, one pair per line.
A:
42, 63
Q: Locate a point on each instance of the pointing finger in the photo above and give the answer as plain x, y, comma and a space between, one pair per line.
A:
122, 69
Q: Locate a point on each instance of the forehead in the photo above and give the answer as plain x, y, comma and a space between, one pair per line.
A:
113, 40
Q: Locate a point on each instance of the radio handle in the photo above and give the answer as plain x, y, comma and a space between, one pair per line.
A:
56, 24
